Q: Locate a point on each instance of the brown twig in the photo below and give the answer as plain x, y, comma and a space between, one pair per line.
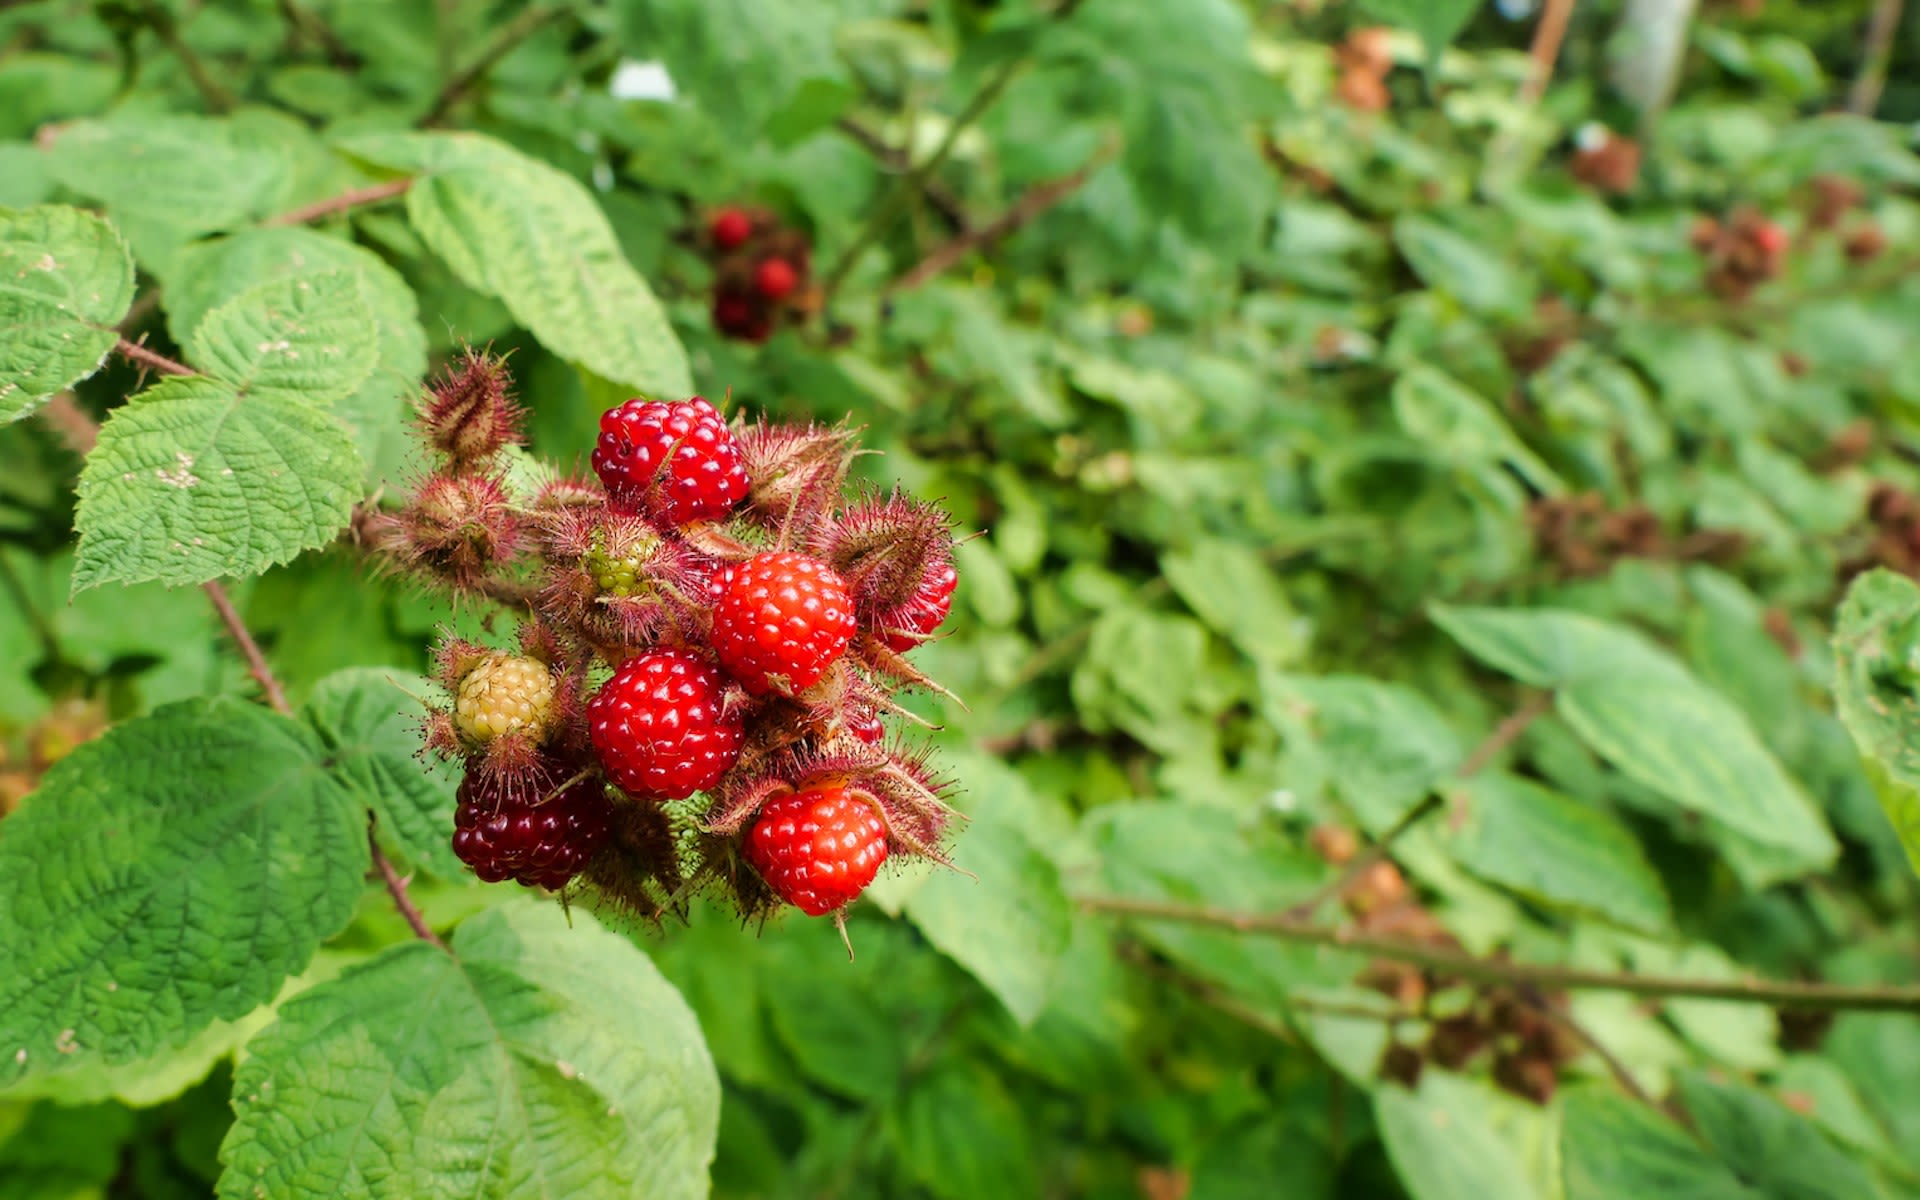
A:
1504, 735
397, 888
529, 22
1026, 209
352, 198
249, 649
938, 194
77, 429
1545, 51
1876, 54
1580, 1033
151, 359
1812, 996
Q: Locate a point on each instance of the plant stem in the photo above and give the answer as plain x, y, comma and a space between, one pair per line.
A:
1504, 734
1024, 210
1545, 51
916, 178
1876, 54
352, 198
1813, 996
397, 888
162, 23
1580, 1033
249, 649
529, 22
937, 193
153, 360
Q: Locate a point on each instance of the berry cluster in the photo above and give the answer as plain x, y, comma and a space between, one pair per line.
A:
1742, 252
761, 273
712, 631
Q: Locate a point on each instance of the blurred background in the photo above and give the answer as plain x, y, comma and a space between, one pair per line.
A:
1445, 426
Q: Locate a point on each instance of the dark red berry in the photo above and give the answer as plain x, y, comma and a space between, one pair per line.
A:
914, 622
817, 849
730, 228
781, 620
680, 461
659, 726
775, 279
516, 830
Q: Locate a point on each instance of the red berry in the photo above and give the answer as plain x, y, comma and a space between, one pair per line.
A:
817, 849
679, 460
734, 314
517, 832
914, 622
776, 279
781, 621
730, 228
1772, 239
659, 727
865, 724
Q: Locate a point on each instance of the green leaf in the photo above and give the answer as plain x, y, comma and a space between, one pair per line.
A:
1560, 852
192, 174
715, 47
66, 280
170, 874
1613, 1148
1461, 427
1470, 271
1436, 21
1266, 1157
1443, 1144
1644, 712
544, 1057
307, 339
513, 227
1876, 674
961, 1135
369, 719
192, 481
1236, 593
1009, 926
1782, 1154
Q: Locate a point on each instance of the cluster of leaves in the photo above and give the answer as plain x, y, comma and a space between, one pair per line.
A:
1306, 444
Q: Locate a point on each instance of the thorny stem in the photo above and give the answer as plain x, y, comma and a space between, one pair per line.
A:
82, 432
529, 22
1812, 996
352, 198
915, 179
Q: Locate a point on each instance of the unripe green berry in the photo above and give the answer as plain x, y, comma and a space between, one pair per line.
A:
613, 576
504, 694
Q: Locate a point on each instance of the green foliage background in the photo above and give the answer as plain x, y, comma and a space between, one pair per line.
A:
1256, 429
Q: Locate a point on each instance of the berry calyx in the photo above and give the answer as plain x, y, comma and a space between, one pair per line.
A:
504, 694
781, 620
775, 279
504, 829
914, 622
730, 228
680, 460
660, 727
817, 849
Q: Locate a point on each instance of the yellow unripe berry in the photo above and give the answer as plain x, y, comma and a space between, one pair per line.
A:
504, 694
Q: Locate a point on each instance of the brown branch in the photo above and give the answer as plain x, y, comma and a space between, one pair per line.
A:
397, 888
352, 198
1504, 735
77, 429
1812, 996
1580, 1033
1863, 99
151, 359
1545, 51
938, 194
1026, 209
529, 22
249, 649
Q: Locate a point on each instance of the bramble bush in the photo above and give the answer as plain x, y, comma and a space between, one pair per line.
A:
1411, 508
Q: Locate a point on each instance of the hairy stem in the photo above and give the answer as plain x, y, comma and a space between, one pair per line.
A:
375, 193
1812, 996
151, 359
397, 888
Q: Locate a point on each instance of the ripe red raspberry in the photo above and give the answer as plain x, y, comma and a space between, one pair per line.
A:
679, 460
817, 849
914, 622
781, 621
775, 279
730, 228
658, 727
507, 832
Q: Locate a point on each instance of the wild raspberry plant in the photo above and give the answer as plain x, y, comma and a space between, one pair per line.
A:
710, 627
